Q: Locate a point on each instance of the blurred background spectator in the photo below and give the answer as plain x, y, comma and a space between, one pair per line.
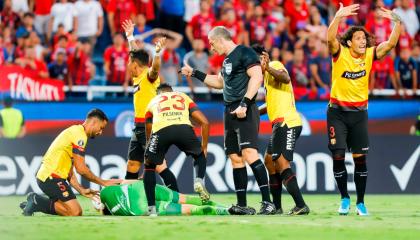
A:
12, 123
79, 45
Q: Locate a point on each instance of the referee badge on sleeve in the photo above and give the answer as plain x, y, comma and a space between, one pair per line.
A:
80, 143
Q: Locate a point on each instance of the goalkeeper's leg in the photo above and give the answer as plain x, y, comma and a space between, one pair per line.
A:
176, 209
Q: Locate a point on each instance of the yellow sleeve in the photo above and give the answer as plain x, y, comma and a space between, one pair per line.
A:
277, 65
79, 141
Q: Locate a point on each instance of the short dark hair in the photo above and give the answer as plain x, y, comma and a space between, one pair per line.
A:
62, 37
97, 113
258, 48
28, 14
140, 55
7, 102
348, 35
164, 86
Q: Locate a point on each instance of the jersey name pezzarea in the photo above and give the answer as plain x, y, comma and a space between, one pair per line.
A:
171, 114
353, 75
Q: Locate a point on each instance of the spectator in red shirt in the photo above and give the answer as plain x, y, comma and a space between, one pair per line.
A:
297, 14
257, 27
405, 40
146, 8
235, 26
379, 26
118, 11
81, 69
116, 60
201, 24
29, 62
42, 10
299, 74
382, 75
8, 17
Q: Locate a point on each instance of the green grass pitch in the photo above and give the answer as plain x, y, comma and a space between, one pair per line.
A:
394, 217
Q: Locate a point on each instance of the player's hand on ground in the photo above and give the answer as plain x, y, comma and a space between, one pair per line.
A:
89, 193
347, 11
160, 44
112, 182
128, 26
187, 70
240, 112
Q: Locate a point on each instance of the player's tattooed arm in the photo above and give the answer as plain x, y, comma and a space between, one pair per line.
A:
82, 169
128, 26
385, 47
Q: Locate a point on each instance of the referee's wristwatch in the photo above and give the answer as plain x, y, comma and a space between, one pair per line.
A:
245, 102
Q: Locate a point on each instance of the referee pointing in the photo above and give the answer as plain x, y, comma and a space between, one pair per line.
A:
240, 78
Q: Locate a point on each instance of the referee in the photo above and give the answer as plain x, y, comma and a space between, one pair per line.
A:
240, 78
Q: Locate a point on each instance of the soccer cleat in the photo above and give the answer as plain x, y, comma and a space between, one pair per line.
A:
361, 209
201, 189
279, 211
29, 208
299, 211
22, 205
151, 211
239, 210
344, 206
267, 208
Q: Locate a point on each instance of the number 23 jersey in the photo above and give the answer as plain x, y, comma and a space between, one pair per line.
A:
170, 108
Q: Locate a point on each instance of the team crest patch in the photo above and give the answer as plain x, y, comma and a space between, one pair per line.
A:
80, 143
333, 141
65, 194
228, 68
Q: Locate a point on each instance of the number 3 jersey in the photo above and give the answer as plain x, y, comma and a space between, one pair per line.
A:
170, 108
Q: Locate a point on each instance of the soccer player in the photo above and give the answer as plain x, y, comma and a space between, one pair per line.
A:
168, 123
287, 126
66, 152
240, 78
145, 83
353, 55
129, 199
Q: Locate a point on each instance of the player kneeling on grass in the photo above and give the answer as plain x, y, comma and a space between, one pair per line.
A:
129, 199
168, 123
56, 171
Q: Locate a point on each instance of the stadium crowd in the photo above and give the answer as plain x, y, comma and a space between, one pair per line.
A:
82, 42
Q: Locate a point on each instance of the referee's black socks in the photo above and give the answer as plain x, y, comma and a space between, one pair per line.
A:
360, 177
240, 179
169, 179
290, 182
150, 183
260, 173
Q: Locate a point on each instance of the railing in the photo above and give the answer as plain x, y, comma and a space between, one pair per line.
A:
91, 91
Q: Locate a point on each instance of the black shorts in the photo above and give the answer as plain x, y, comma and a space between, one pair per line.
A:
182, 136
347, 129
283, 141
56, 189
137, 143
241, 133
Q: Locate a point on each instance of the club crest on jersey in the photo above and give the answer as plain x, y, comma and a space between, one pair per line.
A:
353, 75
227, 66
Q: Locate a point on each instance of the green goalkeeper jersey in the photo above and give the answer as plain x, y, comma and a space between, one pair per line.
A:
130, 199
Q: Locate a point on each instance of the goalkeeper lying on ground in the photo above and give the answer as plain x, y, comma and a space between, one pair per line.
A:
129, 199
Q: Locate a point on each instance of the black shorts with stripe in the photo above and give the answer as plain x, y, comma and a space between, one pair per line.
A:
283, 141
182, 136
137, 143
56, 189
348, 129
241, 133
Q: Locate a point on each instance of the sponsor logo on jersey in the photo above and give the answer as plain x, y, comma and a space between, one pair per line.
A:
353, 75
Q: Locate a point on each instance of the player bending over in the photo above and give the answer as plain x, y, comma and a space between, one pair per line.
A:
56, 171
129, 199
168, 123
